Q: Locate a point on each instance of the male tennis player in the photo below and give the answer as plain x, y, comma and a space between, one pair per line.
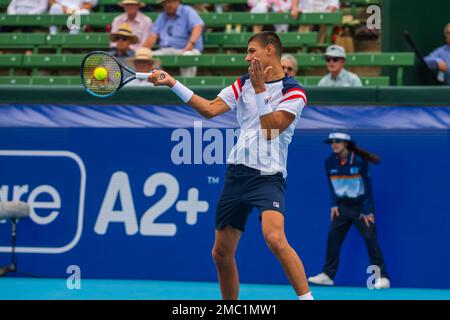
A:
268, 104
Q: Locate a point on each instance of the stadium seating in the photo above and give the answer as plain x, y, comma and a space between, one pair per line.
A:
102, 3
100, 40
217, 42
210, 19
196, 81
59, 61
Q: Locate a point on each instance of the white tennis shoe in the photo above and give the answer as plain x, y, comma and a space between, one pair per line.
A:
321, 279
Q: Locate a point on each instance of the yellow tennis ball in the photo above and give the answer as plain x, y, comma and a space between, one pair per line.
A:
100, 73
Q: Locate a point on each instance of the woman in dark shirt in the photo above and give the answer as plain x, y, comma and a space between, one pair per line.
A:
350, 185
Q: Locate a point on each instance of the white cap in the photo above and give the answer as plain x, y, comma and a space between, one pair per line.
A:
335, 51
338, 136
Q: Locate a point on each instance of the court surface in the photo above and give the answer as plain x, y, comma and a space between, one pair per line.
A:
38, 288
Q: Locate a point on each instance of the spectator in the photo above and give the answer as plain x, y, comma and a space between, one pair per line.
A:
439, 59
27, 7
142, 62
140, 23
83, 7
123, 38
179, 31
289, 64
258, 6
338, 76
308, 6
351, 203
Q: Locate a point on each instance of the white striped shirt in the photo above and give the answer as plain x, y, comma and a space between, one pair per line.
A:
252, 149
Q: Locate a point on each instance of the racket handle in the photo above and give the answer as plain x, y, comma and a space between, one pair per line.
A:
142, 76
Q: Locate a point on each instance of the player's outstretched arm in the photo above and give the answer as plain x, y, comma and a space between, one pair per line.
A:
207, 108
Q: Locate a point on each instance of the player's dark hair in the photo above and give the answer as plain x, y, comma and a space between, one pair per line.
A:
369, 156
268, 37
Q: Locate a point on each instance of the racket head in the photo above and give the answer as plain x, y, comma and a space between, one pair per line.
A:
113, 80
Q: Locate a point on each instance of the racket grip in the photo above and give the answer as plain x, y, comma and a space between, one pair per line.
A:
142, 76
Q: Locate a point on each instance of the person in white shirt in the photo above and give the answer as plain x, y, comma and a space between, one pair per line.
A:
264, 6
83, 7
311, 6
139, 22
268, 105
142, 62
27, 7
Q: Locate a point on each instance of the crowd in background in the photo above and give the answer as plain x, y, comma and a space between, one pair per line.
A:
178, 30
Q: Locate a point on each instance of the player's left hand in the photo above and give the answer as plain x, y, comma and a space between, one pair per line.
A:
257, 75
369, 218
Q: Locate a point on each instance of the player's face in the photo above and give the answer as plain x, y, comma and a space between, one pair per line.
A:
131, 9
256, 50
334, 64
143, 65
337, 146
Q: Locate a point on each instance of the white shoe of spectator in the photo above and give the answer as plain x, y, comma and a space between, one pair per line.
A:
321, 279
382, 283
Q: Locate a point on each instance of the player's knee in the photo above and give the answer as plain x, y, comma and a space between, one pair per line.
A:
222, 255
277, 242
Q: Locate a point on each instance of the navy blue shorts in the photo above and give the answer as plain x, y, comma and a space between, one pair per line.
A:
246, 188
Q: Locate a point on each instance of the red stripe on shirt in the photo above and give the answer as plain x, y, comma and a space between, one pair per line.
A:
239, 84
294, 96
294, 89
235, 91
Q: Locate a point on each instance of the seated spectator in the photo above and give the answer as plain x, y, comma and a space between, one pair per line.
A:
338, 76
142, 62
179, 31
24, 7
123, 38
140, 23
289, 64
70, 7
27, 7
258, 6
308, 6
439, 59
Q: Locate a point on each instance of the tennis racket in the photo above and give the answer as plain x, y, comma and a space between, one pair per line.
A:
111, 77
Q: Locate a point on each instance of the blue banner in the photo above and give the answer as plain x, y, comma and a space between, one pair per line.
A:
113, 201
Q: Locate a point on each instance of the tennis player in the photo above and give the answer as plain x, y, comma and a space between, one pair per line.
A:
268, 104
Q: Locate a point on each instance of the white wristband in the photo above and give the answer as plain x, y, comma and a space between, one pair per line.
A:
183, 92
262, 103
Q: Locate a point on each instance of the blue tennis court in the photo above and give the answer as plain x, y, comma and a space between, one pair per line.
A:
32, 288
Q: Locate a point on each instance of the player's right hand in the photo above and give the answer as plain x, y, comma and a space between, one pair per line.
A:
161, 78
334, 213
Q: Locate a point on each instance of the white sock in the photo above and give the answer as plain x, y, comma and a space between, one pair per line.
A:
306, 296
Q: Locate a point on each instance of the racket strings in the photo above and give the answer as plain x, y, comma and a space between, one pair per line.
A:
113, 78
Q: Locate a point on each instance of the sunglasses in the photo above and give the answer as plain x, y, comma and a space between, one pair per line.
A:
288, 68
329, 59
169, 30
333, 141
122, 38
